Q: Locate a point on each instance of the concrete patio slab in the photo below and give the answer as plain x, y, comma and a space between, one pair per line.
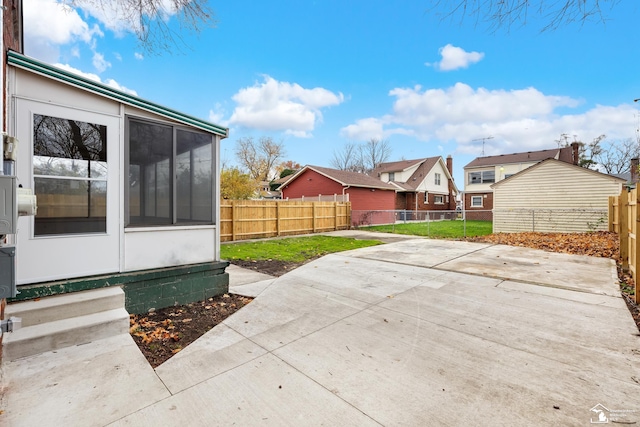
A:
86, 385
251, 289
401, 370
412, 252
289, 310
398, 334
265, 391
242, 276
544, 268
219, 351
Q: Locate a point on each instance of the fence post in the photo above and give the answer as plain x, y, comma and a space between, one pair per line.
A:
335, 215
234, 220
635, 193
623, 226
313, 204
611, 213
278, 218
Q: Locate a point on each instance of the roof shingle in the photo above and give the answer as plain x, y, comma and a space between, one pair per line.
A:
563, 154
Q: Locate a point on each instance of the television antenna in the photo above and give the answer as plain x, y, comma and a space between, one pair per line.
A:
483, 140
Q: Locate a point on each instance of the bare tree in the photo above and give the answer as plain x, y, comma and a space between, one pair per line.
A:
362, 158
259, 158
609, 156
506, 13
149, 19
374, 152
615, 156
348, 158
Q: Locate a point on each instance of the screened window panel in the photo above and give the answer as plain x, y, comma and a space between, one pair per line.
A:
150, 154
157, 155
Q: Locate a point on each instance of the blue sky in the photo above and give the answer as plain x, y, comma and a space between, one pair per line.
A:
317, 75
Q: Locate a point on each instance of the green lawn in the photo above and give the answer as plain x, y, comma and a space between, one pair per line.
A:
294, 249
437, 229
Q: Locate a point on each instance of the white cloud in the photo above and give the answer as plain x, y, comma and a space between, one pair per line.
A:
99, 62
519, 120
217, 114
138, 56
96, 78
49, 24
282, 106
454, 58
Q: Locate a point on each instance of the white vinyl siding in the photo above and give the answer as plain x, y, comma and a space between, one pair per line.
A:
565, 199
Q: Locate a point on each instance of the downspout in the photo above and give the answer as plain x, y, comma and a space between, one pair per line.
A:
343, 190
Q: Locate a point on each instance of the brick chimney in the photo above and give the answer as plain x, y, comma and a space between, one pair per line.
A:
634, 170
575, 152
450, 164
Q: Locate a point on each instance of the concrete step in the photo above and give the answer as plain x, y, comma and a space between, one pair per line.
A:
58, 307
57, 334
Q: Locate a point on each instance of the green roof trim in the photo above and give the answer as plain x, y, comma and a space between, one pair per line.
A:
22, 61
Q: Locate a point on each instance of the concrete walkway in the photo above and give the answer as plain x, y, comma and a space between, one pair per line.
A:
416, 333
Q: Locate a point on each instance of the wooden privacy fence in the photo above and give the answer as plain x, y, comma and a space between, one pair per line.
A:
253, 219
623, 219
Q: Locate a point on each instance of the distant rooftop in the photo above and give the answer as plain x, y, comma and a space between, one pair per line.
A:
563, 154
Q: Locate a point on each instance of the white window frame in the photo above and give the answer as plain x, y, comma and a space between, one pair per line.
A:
488, 179
436, 197
473, 205
426, 197
437, 178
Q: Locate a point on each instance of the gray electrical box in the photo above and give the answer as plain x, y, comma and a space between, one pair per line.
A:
8, 272
8, 204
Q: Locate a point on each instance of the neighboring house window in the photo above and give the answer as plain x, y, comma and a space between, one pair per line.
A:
392, 176
476, 201
508, 175
426, 197
156, 154
70, 176
438, 200
437, 179
482, 177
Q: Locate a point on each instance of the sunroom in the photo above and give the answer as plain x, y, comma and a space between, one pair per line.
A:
127, 191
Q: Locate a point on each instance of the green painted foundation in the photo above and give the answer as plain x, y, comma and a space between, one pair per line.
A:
147, 289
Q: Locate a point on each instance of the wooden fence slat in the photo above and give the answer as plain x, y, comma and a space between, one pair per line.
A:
628, 221
243, 219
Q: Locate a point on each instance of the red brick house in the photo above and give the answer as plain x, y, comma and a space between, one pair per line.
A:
366, 194
423, 184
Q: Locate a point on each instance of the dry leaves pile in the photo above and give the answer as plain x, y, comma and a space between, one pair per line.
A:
600, 244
